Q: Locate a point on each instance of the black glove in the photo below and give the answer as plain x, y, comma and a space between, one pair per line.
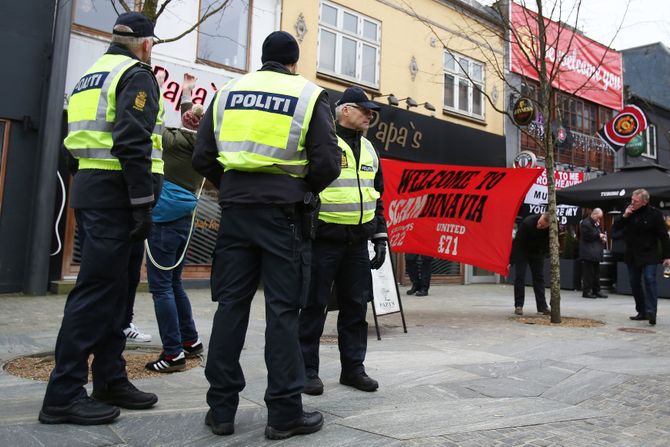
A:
380, 254
142, 218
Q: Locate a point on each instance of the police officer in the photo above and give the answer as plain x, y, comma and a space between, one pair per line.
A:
272, 133
115, 125
351, 213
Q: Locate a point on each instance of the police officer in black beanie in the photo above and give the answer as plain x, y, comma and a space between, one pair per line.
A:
277, 144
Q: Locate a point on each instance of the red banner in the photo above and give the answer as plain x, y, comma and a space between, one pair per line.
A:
462, 213
588, 69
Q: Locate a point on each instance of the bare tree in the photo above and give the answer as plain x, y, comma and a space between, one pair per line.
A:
539, 50
154, 8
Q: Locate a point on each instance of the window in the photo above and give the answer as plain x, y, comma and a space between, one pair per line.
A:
223, 38
464, 85
650, 138
99, 15
349, 45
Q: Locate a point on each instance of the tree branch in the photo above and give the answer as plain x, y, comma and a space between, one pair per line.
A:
208, 13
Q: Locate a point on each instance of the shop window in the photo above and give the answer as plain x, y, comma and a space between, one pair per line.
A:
650, 137
99, 15
464, 85
348, 45
223, 38
4, 143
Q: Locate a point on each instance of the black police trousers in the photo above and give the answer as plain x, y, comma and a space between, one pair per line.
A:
96, 306
347, 265
254, 243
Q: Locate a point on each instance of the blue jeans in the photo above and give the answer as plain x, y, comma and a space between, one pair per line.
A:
643, 285
167, 242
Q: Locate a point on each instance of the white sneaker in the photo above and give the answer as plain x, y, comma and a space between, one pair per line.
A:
134, 335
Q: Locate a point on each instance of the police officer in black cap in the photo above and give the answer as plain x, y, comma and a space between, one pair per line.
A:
351, 214
114, 128
268, 141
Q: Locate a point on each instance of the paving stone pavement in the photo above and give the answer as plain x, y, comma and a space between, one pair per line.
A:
465, 374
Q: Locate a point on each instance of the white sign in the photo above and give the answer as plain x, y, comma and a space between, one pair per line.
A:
537, 195
384, 291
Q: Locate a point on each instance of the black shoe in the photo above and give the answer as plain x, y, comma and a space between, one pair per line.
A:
600, 295
308, 423
589, 295
639, 317
125, 395
360, 382
193, 349
422, 293
546, 311
652, 319
84, 411
313, 386
167, 363
219, 428
412, 290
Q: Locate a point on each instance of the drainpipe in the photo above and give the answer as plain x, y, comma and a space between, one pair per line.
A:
36, 278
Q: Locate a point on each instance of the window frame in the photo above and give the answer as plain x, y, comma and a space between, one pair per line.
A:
216, 64
360, 40
649, 147
4, 149
458, 74
137, 6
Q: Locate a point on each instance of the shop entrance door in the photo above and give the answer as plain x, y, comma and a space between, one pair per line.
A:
477, 275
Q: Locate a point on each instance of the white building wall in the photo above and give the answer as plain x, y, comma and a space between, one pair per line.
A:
179, 57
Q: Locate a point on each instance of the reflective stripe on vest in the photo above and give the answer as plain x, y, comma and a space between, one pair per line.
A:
352, 198
92, 112
261, 120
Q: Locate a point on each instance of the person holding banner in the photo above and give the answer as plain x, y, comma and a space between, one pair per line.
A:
644, 229
591, 243
530, 247
351, 214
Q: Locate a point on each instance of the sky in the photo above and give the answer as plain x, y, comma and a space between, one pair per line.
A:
646, 21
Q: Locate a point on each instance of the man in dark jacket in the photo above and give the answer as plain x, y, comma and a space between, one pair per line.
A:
274, 136
119, 178
351, 213
529, 248
591, 243
644, 229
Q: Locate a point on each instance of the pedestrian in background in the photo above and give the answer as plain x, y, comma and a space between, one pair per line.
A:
419, 269
644, 231
273, 134
115, 124
530, 247
169, 237
592, 241
352, 213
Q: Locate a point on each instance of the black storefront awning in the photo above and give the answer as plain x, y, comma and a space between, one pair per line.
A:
612, 190
404, 135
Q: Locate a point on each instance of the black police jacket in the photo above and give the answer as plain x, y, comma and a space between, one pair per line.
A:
97, 188
643, 231
249, 188
376, 228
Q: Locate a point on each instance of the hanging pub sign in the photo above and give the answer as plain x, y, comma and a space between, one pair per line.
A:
523, 112
628, 123
525, 159
562, 136
636, 147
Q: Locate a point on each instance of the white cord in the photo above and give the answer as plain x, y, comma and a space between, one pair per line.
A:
60, 214
190, 233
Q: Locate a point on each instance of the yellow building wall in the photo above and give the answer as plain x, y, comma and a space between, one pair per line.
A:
403, 35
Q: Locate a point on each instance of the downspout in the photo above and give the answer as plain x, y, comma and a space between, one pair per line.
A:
36, 277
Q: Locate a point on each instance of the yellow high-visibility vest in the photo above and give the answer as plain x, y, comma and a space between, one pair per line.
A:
92, 112
260, 122
352, 198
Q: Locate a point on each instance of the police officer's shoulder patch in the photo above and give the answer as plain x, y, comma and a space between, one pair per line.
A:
140, 101
344, 163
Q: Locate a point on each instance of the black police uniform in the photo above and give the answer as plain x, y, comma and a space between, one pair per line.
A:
260, 237
340, 256
96, 306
